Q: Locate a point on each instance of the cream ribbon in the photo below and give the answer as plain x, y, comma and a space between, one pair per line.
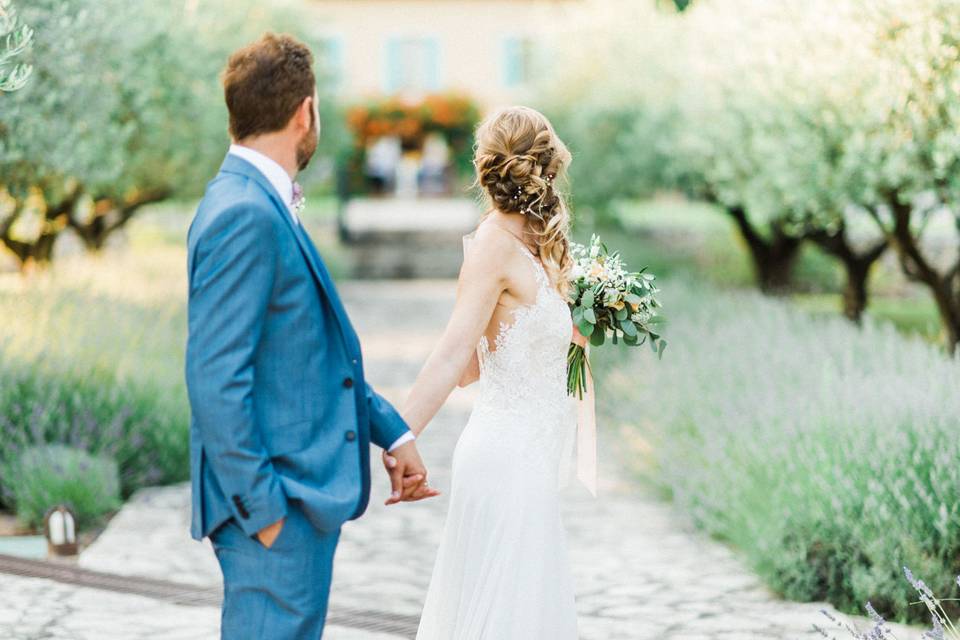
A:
587, 435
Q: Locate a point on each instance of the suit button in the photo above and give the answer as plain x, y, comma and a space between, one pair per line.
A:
351, 436
348, 382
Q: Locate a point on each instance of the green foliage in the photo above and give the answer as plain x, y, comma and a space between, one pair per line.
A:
618, 124
826, 454
125, 108
842, 133
47, 476
613, 159
140, 426
91, 357
14, 40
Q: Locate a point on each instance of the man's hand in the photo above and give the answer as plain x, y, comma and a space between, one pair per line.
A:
408, 475
268, 535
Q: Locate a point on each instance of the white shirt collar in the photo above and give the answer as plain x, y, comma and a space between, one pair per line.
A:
271, 170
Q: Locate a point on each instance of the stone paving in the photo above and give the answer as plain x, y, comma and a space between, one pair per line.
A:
642, 573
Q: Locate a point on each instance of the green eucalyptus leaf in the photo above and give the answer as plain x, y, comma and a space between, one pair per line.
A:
661, 347
586, 328
597, 338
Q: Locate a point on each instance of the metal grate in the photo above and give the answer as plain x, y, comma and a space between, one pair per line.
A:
190, 595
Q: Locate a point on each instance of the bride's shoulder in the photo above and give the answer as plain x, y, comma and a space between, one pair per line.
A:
490, 243
488, 254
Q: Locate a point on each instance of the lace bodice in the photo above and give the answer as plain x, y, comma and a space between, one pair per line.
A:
525, 372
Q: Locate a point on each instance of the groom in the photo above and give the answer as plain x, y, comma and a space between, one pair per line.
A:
282, 415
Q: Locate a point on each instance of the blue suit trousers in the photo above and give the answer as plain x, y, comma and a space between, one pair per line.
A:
278, 593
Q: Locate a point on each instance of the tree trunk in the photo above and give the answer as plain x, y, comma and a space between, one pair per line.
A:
40, 250
857, 267
944, 288
773, 259
114, 216
855, 294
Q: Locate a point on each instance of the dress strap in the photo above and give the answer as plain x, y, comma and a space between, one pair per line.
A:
539, 272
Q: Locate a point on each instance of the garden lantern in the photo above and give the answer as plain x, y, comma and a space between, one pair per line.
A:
60, 528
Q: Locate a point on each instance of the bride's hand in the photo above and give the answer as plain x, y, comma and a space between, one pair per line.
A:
578, 338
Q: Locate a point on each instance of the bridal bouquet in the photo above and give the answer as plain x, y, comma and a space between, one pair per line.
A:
608, 301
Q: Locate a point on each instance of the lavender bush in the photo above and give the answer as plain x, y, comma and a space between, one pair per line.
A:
91, 358
827, 454
55, 474
943, 628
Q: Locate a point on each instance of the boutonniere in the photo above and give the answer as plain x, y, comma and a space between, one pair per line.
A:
299, 202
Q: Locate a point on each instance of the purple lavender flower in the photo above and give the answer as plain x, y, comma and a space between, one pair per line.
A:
919, 585
936, 633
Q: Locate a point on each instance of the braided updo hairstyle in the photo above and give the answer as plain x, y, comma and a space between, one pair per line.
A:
519, 160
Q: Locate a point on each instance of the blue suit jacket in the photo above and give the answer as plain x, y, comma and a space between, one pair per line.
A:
280, 407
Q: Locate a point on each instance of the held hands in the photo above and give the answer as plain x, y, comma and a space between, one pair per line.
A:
408, 478
408, 475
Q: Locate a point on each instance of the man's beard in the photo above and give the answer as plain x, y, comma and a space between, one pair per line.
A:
307, 147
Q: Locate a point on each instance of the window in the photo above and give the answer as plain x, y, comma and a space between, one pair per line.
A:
412, 65
518, 61
330, 59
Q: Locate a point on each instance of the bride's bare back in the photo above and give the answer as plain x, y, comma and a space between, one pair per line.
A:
520, 286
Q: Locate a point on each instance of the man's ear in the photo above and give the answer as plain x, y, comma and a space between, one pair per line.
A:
305, 113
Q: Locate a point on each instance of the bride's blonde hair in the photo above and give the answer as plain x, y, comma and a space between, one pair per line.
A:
519, 160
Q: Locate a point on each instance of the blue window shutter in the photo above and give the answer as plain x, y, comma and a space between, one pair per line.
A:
512, 62
333, 59
432, 48
392, 71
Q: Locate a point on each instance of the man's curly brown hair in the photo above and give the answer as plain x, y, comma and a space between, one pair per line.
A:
265, 82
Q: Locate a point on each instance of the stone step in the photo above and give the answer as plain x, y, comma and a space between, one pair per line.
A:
406, 237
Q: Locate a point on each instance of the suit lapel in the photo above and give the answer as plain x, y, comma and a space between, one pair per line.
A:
321, 273
234, 164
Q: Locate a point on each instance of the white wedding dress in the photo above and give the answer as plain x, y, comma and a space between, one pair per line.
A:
502, 571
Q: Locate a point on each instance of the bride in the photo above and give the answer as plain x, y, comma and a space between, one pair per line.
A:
502, 571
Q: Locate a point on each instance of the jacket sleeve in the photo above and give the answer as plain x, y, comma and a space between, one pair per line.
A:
386, 425
232, 274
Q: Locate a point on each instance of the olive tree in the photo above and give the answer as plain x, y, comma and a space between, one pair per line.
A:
832, 111
15, 37
124, 109
902, 164
52, 132
782, 88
